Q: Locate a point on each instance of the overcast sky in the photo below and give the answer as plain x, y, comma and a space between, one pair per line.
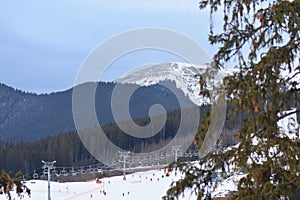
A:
43, 43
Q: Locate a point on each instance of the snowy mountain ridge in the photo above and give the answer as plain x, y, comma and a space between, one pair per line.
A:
185, 75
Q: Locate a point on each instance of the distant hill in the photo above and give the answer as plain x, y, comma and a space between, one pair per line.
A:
28, 117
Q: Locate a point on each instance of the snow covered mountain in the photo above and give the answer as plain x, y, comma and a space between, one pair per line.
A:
186, 77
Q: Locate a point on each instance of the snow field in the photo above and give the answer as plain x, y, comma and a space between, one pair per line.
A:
142, 185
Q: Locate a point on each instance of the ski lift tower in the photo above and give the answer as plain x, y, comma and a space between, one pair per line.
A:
49, 165
175, 150
124, 155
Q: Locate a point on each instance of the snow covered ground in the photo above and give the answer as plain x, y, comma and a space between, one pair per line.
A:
150, 185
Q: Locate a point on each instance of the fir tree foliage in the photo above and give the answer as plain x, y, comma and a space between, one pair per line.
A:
261, 40
8, 184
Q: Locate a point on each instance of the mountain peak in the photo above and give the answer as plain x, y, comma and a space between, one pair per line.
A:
185, 76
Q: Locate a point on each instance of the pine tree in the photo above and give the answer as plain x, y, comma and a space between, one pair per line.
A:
261, 40
8, 183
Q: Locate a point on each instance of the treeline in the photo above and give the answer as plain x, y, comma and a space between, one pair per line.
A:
65, 148
68, 150
29, 117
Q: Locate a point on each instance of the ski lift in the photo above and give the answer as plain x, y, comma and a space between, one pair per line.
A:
130, 164
113, 163
35, 175
151, 159
180, 154
99, 170
43, 177
54, 171
81, 171
157, 157
45, 172
89, 169
72, 172
64, 172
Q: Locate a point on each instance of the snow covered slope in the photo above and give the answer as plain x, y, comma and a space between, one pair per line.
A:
186, 77
151, 185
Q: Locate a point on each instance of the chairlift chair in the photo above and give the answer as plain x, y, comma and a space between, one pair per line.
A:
43, 176
64, 172
35, 175
45, 172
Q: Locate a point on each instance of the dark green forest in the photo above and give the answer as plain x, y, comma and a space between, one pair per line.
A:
29, 117
68, 150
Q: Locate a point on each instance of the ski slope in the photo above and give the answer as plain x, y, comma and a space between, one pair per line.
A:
150, 185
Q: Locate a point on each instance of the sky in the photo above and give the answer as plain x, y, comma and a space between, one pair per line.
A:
44, 43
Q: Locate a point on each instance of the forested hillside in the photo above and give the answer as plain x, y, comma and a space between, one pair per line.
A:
29, 117
68, 150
